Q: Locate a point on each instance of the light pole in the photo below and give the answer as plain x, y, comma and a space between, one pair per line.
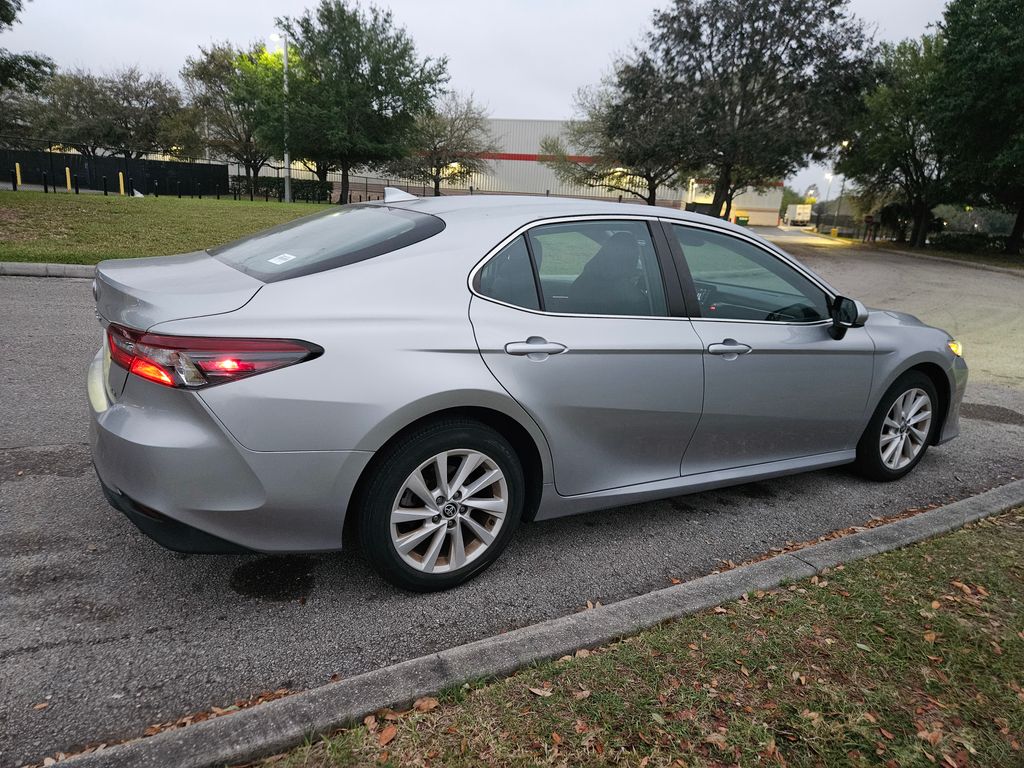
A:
283, 37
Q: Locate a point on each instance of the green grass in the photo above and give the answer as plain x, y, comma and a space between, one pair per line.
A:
910, 658
989, 259
85, 229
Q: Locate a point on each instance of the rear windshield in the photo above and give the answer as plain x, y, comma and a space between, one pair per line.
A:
333, 238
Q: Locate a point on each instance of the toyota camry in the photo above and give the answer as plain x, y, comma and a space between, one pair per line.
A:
440, 370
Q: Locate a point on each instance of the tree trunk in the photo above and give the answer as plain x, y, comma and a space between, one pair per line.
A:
728, 206
722, 184
437, 184
919, 233
343, 197
1013, 242
652, 192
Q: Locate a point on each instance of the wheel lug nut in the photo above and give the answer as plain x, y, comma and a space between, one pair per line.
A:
440, 500
458, 495
435, 519
451, 523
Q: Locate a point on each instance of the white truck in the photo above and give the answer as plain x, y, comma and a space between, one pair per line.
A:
798, 214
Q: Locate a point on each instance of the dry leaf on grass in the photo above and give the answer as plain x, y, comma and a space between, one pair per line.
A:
425, 704
542, 692
387, 735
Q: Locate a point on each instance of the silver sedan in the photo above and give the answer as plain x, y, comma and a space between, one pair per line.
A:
440, 370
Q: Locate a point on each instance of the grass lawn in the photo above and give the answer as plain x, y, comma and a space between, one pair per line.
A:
989, 259
85, 229
911, 658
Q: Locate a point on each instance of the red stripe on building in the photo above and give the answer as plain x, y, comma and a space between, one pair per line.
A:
531, 158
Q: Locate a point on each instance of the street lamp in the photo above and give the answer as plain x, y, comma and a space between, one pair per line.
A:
283, 38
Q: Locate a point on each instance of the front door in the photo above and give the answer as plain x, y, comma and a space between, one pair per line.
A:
777, 385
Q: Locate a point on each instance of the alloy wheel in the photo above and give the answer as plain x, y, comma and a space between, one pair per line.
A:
905, 428
449, 511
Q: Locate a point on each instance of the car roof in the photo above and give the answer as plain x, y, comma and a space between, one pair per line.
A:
533, 207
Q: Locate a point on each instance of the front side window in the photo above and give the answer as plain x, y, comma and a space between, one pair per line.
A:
333, 238
736, 280
598, 268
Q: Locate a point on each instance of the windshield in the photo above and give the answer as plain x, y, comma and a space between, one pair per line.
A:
328, 239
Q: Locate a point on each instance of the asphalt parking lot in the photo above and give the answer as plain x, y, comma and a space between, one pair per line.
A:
113, 633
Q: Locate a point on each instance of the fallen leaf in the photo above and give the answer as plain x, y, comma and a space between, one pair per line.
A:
936, 605
718, 739
543, 692
864, 647
929, 637
555, 738
579, 695
674, 580
40, 706
720, 609
425, 704
370, 722
887, 734
387, 735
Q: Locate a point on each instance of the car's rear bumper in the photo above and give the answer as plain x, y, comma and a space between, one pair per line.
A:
165, 460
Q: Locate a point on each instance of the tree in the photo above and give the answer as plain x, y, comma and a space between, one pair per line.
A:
628, 139
770, 82
979, 99
20, 70
449, 143
73, 108
355, 89
789, 197
226, 85
142, 106
893, 146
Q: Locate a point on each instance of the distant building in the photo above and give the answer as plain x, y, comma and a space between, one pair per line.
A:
516, 168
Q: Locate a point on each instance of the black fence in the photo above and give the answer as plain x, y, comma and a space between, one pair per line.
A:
164, 177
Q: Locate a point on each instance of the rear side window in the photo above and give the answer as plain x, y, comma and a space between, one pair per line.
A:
508, 276
332, 238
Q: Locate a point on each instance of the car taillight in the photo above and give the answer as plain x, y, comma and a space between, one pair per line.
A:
192, 362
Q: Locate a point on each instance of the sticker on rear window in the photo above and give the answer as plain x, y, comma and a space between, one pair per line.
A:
281, 259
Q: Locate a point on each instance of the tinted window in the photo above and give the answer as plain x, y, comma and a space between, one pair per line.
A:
332, 238
599, 268
736, 280
508, 276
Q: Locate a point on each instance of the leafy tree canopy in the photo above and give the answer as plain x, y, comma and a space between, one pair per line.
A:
979, 101
356, 87
448, 143
20, 70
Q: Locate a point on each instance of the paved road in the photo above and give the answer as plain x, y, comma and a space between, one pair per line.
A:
115, 633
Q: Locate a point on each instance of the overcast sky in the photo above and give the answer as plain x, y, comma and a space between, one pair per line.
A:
521, 58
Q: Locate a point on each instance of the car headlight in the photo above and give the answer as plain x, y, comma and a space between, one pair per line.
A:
955, 347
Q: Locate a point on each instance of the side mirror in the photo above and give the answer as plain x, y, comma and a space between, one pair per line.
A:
846, 313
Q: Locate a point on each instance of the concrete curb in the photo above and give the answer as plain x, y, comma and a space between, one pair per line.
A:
279, 725
41, 269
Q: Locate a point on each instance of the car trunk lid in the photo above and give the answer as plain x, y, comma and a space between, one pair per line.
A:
140, 293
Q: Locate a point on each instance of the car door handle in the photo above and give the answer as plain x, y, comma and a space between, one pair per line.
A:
729, 348
535, 347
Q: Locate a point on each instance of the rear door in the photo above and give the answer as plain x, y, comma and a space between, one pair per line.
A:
601, 356
777, 385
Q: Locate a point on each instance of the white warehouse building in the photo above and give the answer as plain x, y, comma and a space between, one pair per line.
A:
516, 168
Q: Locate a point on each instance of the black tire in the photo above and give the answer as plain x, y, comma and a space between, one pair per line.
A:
387, 478
869, 461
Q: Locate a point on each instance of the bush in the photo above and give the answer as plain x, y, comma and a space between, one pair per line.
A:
968, 242
302, 189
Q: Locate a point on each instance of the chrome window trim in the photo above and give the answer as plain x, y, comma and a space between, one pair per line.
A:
778, 255
649, 219
566, 220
